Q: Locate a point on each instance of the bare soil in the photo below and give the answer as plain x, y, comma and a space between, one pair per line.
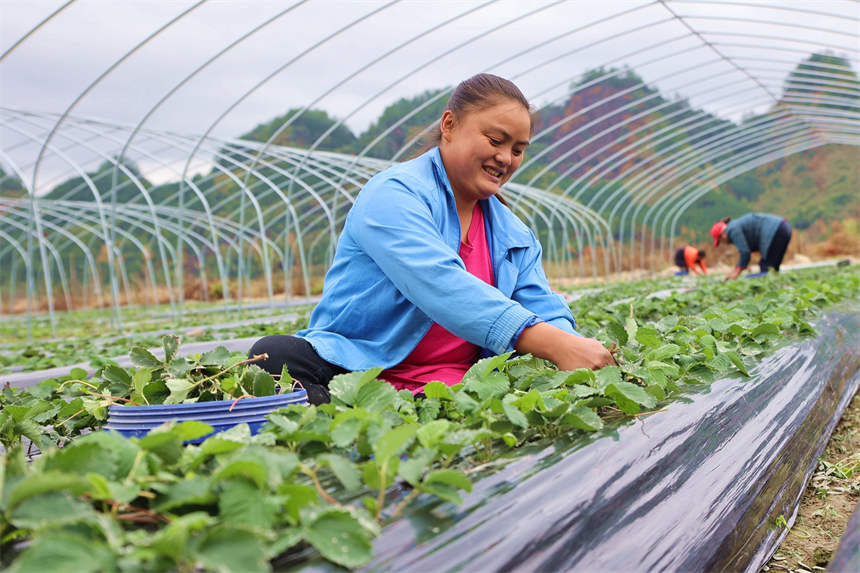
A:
830, 498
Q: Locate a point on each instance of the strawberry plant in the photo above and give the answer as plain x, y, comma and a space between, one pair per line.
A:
320, 478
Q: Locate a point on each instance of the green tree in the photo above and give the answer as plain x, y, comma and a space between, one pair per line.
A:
11, 186
823, 80
399, 136
303, 130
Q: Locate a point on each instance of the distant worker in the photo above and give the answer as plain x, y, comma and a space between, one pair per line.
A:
687, 258
762, 232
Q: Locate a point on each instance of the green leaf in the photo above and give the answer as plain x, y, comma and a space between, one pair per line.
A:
465, 403
717, 324
765, 331
251, 469
119, 378
50, 509
142, 357
452, 477
583, 376
345, 387
173, 539
179, 388
375, 395
708, 342
617, 332
663, 352
179, 367
607, 375
166, 440
170, 343
549, 381
412, 469
340, 537
60, 552
156, 392
47, 482
482, 368
432, 433
513, 413
394, 441
228, 549
736, 360
370, 473
242, 503
218, 356
438, 390
191, 429
188, 492
720, 363
648, 336
345, 432
344, 470
583, 418
139, 380
656, 391
665, 368
629, 396
581, 391
298, 497
285, 381
430, 408
631, 327
489, 385
264, 384
446, 485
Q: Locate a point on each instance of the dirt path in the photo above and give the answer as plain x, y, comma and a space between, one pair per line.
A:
828, 502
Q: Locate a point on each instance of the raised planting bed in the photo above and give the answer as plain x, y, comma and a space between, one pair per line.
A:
698, 487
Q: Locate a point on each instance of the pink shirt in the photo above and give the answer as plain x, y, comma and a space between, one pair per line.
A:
440, 355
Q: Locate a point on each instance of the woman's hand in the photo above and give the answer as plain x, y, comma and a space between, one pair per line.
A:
565, 350
734, 274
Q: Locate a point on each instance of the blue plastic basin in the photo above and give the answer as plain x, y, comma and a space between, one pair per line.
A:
137, 421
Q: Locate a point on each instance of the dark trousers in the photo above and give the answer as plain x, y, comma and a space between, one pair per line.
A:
777, 248
679, 258
302, 361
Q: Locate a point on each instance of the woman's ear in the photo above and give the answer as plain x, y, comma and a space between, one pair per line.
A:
447, 124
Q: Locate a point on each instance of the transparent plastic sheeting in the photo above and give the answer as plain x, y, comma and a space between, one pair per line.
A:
698, 487
847, 556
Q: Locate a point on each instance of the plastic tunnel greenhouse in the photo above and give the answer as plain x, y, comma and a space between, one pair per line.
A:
644, 109
156, 155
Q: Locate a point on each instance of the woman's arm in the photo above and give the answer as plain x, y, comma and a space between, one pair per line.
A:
565, 350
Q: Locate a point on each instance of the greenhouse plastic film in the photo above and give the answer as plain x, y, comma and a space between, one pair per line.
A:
697, 487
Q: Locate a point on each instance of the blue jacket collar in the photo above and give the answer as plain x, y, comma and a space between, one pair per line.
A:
508, 230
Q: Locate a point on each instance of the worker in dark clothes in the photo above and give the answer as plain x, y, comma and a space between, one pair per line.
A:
688, 258
762, 232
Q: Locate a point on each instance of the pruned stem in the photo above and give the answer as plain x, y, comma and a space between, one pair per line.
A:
255, 358
312, 474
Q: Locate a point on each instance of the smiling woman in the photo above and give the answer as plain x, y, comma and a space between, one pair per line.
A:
432, 270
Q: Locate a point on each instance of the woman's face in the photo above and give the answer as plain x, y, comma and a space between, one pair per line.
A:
482, 148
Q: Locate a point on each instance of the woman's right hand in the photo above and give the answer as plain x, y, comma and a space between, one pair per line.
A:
565, 350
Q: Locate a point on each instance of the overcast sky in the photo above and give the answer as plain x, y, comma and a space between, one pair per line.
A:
291, 62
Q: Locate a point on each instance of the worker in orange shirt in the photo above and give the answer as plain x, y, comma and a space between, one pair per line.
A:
688, 258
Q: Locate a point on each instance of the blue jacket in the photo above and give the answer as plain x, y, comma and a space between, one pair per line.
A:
396, 271
752, 232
